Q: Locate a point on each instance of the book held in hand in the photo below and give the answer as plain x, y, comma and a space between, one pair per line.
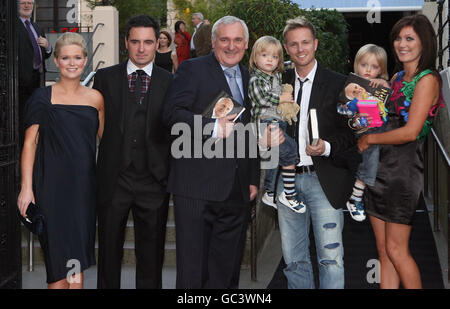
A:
223, 105
359, 88
314, 126
358, 93
370, 107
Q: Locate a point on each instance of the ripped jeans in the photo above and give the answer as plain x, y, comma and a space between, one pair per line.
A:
327, 224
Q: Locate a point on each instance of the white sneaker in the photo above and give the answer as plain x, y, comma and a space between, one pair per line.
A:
356, 210
269, 200
293, 204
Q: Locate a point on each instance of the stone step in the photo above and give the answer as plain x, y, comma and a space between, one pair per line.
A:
128, 254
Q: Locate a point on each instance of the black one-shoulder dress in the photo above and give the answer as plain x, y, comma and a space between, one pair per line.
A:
64, 182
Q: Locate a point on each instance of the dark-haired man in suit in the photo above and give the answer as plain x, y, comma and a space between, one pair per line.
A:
33, 48
323, 185
212, 195
133, 159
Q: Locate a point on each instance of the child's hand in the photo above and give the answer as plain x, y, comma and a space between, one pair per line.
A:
286, 97
379, 82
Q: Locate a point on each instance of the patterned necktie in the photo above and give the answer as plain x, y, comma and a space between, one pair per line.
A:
235, 91
36, 51
138, 86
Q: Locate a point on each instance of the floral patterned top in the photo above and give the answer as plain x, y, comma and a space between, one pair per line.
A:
403, 89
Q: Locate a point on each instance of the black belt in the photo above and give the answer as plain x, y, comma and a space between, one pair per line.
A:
304, 169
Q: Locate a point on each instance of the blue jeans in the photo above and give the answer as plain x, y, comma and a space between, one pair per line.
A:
288, 153
367, 169
269, 179
327, 224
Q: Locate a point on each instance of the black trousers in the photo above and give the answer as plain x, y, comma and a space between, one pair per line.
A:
210, 241
149, 204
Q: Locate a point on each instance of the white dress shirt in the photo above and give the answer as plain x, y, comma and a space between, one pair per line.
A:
131, 67
304, 116
192, 38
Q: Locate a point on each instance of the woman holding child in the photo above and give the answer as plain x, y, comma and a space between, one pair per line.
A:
393, 200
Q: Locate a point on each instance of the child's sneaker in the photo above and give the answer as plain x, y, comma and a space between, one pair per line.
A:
268, 199
356, 209
292, 203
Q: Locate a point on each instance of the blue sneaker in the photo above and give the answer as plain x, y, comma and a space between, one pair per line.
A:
356, 209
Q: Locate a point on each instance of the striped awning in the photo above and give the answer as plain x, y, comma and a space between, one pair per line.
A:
346, 6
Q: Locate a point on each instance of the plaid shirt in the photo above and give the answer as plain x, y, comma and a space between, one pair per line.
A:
264, 91
145, 82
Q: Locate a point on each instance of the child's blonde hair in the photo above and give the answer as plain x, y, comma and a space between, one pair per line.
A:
69, 38
263, 44
380, 55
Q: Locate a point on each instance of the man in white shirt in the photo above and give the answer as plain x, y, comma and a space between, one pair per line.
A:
322, 185
133, 159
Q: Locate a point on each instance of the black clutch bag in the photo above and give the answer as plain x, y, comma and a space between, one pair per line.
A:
35, 219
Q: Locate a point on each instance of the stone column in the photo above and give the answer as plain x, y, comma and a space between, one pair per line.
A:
106, 37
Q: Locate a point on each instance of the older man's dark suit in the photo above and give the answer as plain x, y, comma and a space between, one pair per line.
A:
113, 84
206, 189
29, 78
336, 181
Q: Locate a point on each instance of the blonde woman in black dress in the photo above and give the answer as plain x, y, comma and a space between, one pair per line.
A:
58, 165
392, 202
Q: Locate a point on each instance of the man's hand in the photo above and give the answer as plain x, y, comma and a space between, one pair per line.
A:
225, 126
272, 136
317, 150
253, 192
42, 42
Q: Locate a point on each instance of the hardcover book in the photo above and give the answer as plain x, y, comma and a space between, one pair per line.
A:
222, 105
314, 127
370, 107
359, 96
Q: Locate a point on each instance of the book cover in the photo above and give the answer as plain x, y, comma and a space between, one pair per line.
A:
359, 88
370, 107
314, 126
222, 105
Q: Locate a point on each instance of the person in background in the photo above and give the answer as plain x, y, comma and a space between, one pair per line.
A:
58, 165
33, 49
201, 38
392, 202
165, 57
182, 41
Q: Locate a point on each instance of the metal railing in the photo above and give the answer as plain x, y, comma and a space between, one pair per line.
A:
438, 154
441, 28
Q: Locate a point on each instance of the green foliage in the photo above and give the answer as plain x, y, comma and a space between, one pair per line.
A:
332, 32
268, 17
211, 9
129, 8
